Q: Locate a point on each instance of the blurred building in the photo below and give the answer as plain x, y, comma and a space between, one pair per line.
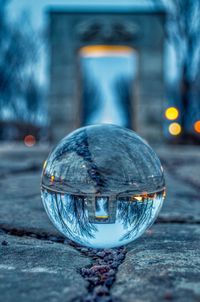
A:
77, 28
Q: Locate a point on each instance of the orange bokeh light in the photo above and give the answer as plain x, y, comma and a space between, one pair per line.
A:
105, 50
197, 126
29, 140
171, 113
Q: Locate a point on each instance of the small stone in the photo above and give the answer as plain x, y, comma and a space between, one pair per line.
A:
109, 251
110, 257
168, 295
101, 254
101, 290
4, 242
109, 281
93, 280
106, 258
100, 268
89, 298
120, 257
111, 272
33, 235
54, 239
94, 251
115, 264
101, 262
84, 250
85, 271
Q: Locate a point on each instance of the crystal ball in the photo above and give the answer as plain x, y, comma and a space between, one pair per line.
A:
102, 186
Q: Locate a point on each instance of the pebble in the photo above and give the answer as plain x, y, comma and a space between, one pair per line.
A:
85, 271
101, 254
4, 242
101, 274
33, 235
102, 268
111, 272
120, 257
84, 250
168, 295
115, 264
101, 290
93, 280
109, 281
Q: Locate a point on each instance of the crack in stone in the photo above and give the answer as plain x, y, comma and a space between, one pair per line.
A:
33, 234
101, 274
177, 220
41, 235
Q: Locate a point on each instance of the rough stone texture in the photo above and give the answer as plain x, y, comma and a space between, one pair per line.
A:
182, 173
165, 264
182, 201
20, 200
162, 265
38, 270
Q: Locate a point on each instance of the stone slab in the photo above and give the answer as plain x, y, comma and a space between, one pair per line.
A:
20, 174
181, 203
16, 158
21, 206
182, 172
38, 270
162, 265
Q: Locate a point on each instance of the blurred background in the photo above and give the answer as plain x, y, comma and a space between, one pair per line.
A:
66, 64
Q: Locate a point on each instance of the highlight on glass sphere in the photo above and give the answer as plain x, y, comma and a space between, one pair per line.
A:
102, 186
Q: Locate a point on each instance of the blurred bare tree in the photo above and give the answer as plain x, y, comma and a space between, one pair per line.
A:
90, 95
20, 93
123, 86
182, 68
183, 31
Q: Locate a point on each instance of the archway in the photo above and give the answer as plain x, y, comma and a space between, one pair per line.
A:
108, 74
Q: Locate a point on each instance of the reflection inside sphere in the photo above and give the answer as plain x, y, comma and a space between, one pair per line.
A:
102, 186
102, 222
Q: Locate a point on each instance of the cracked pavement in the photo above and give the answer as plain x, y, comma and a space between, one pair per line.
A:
37, 263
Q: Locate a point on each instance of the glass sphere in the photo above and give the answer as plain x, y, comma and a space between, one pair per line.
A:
102, 186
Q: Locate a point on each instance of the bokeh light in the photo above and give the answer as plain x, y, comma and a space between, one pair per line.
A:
44, 165
171, 113
105, 50
197, 126
174, 128
29, 140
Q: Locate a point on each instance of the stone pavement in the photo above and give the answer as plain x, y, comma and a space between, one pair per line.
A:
38, 264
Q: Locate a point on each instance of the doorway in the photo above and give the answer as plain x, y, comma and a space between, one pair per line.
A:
108, 74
